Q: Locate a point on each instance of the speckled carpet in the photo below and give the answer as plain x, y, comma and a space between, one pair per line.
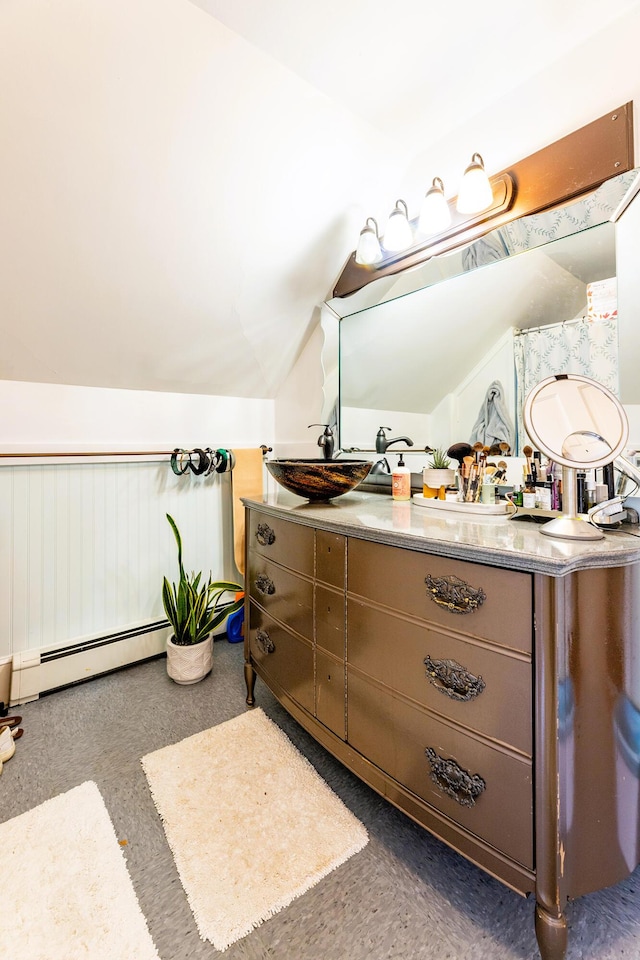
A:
250, 823
75, 898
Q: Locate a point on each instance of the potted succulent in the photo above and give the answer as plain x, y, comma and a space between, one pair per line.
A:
438, 474
194, 609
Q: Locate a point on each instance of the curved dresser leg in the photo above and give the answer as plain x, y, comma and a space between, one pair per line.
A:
250, 681
551, 934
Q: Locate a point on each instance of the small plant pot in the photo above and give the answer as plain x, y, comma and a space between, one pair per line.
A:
191, 662
436, 480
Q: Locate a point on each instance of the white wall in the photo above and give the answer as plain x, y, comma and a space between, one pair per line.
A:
47, 417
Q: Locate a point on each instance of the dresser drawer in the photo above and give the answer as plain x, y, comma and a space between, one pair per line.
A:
330, 620
331, 558
466, 681
283, 594
467, 597
484, 789
290, 544
285, 658
330, 693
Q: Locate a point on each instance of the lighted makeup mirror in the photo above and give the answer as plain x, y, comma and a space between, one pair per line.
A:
579, 424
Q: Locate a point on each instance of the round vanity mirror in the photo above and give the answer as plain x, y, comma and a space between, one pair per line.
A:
579, 424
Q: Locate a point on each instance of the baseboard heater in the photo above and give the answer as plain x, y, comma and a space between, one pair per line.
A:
35, 672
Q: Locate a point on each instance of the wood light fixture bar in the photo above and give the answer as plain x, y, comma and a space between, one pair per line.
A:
566, 169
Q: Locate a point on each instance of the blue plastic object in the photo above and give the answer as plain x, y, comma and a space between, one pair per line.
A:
234, 626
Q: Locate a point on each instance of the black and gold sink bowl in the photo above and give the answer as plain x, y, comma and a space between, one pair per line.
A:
319, 479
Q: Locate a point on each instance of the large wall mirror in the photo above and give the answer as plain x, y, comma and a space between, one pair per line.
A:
419, 351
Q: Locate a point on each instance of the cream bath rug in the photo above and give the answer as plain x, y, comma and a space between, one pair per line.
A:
70, 895
250, 823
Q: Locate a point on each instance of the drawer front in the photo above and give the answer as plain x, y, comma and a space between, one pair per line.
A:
469, 683
484, 789
285, 658
283, 594
290, 544
331, 558
330, 617
466, 597
330, 693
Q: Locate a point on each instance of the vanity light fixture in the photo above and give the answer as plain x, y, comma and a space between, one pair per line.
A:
582, 160
398, 235
475, 190
368, 250
435, 215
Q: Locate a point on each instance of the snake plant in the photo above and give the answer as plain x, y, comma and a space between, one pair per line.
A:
192, 606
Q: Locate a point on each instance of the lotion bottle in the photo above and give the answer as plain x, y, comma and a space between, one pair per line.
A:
401, 481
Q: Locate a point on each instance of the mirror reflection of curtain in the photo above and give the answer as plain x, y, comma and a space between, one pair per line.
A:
585, 347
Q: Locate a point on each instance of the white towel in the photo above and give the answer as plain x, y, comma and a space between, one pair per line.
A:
494, 424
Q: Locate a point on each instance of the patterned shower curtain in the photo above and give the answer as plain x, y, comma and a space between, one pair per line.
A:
586, 347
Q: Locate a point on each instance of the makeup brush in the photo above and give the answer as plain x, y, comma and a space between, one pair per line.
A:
458, 451
477, 449
505, 449
527, 451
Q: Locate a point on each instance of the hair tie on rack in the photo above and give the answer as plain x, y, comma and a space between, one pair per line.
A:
211, 457
225, 461
178, 469
203, 462
221, 461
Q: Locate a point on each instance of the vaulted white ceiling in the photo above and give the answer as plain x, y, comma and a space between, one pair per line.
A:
415, 70
182, 180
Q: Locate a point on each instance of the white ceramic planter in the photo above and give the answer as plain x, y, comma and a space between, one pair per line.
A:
438, 478
190, 663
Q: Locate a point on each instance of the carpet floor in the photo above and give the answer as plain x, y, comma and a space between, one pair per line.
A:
405, 896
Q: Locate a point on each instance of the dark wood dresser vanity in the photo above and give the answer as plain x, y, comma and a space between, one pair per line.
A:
483, 678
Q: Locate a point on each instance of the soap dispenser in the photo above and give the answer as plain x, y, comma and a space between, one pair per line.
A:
401, 481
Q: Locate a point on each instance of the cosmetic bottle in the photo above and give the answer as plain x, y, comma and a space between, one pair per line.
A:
590, 491
581, 489
401, 481
529, 494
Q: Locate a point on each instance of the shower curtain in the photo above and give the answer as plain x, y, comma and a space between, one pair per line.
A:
585, 347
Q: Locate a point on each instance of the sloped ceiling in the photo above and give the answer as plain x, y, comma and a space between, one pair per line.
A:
183, 181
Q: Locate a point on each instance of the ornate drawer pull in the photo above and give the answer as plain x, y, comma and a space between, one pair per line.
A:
264, 642
454, 594
265, 584
457, 783
265, 535
452, 679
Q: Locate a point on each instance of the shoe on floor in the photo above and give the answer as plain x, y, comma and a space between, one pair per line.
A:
10, 721
7, 745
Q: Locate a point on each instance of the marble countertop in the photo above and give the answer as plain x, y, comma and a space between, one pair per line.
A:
496, 540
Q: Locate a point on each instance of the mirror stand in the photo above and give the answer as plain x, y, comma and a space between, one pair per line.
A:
570, 526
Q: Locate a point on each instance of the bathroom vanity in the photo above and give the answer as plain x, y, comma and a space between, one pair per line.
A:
483, 678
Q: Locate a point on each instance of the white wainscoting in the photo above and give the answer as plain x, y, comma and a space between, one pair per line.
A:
84, 546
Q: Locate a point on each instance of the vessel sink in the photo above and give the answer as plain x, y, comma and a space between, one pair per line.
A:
319, 479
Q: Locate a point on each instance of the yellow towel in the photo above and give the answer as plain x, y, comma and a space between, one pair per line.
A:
246, 481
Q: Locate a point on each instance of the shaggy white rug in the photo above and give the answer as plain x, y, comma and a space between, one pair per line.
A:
250, 823
70, 895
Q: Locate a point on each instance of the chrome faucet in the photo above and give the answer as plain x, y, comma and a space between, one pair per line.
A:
326, 440
382, 444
